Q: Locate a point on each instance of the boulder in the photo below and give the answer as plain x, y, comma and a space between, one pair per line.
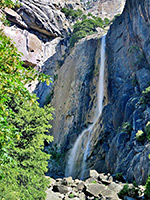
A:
67, 181
81, 186
61, 189
94, 189
27, 43
94, 174
51, 195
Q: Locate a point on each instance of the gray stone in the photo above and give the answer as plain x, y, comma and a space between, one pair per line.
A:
51, 195
67, 181
95, 189
109, 194
115, 187
94, 174
80, 186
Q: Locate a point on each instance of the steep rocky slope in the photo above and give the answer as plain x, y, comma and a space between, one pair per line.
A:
128, 59
104, 8
114, 147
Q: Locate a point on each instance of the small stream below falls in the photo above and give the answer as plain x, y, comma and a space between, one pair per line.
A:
82, 144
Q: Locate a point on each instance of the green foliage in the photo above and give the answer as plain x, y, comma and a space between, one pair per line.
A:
129, 191
147, 190
71, 195
84, 28
147, 129
55, 152
4, 20
13, 77
24, 179
76, 37
140, 136
119, 177
145, 99
106, 21
94, 182
7, 3
135, 184
127, 127
73, 14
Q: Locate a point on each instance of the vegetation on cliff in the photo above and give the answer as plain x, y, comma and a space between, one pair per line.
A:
85, 24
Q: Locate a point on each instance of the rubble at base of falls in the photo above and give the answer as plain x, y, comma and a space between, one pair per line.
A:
96, 187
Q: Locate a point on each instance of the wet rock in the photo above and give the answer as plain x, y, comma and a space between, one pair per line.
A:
129, 198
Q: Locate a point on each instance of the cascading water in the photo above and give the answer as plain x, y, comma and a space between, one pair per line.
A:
72, 164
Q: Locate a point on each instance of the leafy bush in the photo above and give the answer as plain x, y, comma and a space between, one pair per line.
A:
84, 28
147, 190
4, 20
73, 14
140, 135
71, 195
76, 37
119, 177
94, 182
6, 3
147, 129
145, 99
129, 191
106, 21
127, 127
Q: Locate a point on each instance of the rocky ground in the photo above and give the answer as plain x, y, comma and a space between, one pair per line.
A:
96, 187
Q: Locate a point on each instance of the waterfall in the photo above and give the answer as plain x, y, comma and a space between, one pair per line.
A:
72, 164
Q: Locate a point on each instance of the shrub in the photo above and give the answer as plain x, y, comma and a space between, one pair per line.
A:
94, 182
71, 195
147, 129
119, 177
140, 135
129, 191
145, 99
127, 127
6, 3
73, 14
76, 37
147, 190
106, 21
84, 28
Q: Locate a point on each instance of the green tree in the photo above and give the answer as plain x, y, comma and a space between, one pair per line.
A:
13, 77
25, 177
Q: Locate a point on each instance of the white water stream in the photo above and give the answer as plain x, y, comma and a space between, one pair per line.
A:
75, 152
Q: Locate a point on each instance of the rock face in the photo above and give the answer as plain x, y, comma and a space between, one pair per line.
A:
128, 64
114, 147
74, 91
104, 8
